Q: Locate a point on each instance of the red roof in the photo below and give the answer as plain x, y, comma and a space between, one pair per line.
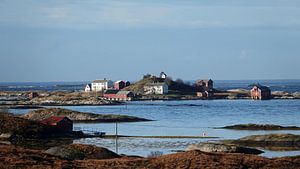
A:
52, 120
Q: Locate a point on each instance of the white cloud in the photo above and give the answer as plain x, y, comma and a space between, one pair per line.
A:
136, 14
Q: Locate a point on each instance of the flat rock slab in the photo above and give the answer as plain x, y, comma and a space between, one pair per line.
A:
260, 127
216, 147
269, 141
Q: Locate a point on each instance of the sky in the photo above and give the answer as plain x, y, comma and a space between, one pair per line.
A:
83, 40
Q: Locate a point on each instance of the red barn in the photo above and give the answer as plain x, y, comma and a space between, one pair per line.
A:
119, 85
59, 123
118, 95
205, 84
32, 95
259, 92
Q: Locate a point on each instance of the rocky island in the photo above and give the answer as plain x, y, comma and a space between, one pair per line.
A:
82, 117
33, 100
269, 141
259, 127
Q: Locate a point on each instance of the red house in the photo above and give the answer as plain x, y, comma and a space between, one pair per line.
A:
59, 123
259, 92
205, 84
118, 95
32, 95
120, 85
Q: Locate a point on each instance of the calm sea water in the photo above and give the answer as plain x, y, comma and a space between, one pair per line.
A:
189, 118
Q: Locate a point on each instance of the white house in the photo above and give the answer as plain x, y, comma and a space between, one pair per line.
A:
156, 88
162, 75
88, 88
100, 85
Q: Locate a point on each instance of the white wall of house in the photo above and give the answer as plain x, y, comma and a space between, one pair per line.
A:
156, 89
100, 86
87, 88
163, 76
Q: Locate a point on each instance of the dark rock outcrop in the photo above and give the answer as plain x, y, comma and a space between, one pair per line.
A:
80, 152
269, 141
260, 127
76, 116
215, 147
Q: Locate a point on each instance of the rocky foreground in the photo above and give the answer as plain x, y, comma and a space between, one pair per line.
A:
75, 116
16, 157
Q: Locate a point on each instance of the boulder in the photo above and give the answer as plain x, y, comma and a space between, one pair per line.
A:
80, 152
216, 147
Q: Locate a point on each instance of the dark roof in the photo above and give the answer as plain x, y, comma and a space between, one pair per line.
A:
54, 119
204, 80
120, 81
162, 73
261, 87
111, 91
124, 92
89, 85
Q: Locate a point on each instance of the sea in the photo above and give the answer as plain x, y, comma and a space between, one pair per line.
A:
185, 118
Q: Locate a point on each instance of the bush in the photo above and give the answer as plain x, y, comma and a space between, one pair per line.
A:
146, 76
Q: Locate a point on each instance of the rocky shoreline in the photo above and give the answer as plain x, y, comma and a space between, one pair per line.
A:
269, 141
82, 156
80, 117
61, 153
20, 100
58, 98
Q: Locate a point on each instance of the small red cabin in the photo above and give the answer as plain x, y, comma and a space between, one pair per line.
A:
59, 123
120, 85
118, 95
205, 84
32, 95
259, 92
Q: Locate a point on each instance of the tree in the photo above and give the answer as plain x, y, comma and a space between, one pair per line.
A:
146, 76
179, 81
168, 81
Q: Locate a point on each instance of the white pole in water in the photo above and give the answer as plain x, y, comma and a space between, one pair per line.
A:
116, 137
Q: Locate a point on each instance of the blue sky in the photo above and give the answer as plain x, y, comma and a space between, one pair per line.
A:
78, 40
